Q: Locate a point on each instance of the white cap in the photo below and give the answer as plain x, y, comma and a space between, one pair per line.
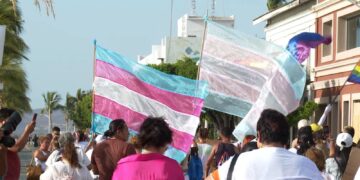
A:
344, 140
303, 123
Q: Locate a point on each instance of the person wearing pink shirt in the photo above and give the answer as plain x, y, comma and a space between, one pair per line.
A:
154, 138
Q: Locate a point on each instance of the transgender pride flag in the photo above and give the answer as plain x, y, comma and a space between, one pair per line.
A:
247, 75
131, 91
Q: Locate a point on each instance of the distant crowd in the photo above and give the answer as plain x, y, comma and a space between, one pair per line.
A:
313, 154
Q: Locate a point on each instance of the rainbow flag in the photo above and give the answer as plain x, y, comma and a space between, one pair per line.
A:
131, 91
355, 74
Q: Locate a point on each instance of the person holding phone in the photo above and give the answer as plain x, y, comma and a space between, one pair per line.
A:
13, 160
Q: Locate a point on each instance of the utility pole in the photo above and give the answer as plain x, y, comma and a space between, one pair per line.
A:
213, 8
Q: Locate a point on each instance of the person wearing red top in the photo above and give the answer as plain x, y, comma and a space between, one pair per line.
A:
13, 160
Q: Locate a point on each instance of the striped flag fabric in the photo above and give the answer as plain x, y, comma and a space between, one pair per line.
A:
354, 77
131, 91
247, 75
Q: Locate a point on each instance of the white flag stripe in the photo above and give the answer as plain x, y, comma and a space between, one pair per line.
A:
235, 87
237, 55
221, 66
144, 105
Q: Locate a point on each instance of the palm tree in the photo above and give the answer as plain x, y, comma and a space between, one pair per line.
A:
12, 74
47, 3
69, 108
52, 100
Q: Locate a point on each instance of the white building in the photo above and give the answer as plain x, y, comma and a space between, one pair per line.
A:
187, 43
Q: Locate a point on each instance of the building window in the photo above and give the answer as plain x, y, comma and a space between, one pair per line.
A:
346, 114
355, 119
349, 32
353, 32
327, 31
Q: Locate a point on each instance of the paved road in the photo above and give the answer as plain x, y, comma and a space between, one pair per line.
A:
25, 158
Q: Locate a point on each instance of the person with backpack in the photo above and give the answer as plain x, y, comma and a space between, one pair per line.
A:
195, 168
271, 160
221, 151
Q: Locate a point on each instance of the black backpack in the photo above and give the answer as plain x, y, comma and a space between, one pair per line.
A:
231, 168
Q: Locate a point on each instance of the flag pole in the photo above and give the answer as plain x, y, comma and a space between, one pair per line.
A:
342, 87
328, 107
200, 58
93, 92
202, 44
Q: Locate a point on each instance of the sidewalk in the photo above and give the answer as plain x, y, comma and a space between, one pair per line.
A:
25, 158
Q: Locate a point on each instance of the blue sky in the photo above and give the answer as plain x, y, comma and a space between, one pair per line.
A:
61, 49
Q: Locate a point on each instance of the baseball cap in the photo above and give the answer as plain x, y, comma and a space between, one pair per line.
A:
303, 123
344, 140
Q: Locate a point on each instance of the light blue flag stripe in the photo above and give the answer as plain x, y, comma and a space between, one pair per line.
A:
101, 124
227, 104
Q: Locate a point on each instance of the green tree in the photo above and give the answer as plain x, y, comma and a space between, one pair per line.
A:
52, 100
274, 4
185, 67
83, 112
12, 74
48, 4
69, 107
78, 108
303, 112
164, 67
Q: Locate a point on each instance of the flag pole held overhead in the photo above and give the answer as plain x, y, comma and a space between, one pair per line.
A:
128, 90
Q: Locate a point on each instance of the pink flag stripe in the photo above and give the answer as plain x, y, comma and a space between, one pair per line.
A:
134, 120
177, 102
236, 88
237, 55
279, 87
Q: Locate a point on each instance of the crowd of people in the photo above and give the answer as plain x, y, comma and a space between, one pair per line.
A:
313, 154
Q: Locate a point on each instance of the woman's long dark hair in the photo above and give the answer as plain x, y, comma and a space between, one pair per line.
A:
115, 125
68, 151
305, 140
342, 157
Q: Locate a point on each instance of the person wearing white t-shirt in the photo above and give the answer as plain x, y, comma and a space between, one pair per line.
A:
57, 154
271, 160
69, 167
81, 140
357, 175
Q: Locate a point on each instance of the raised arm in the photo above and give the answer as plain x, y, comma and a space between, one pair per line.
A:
21, 142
